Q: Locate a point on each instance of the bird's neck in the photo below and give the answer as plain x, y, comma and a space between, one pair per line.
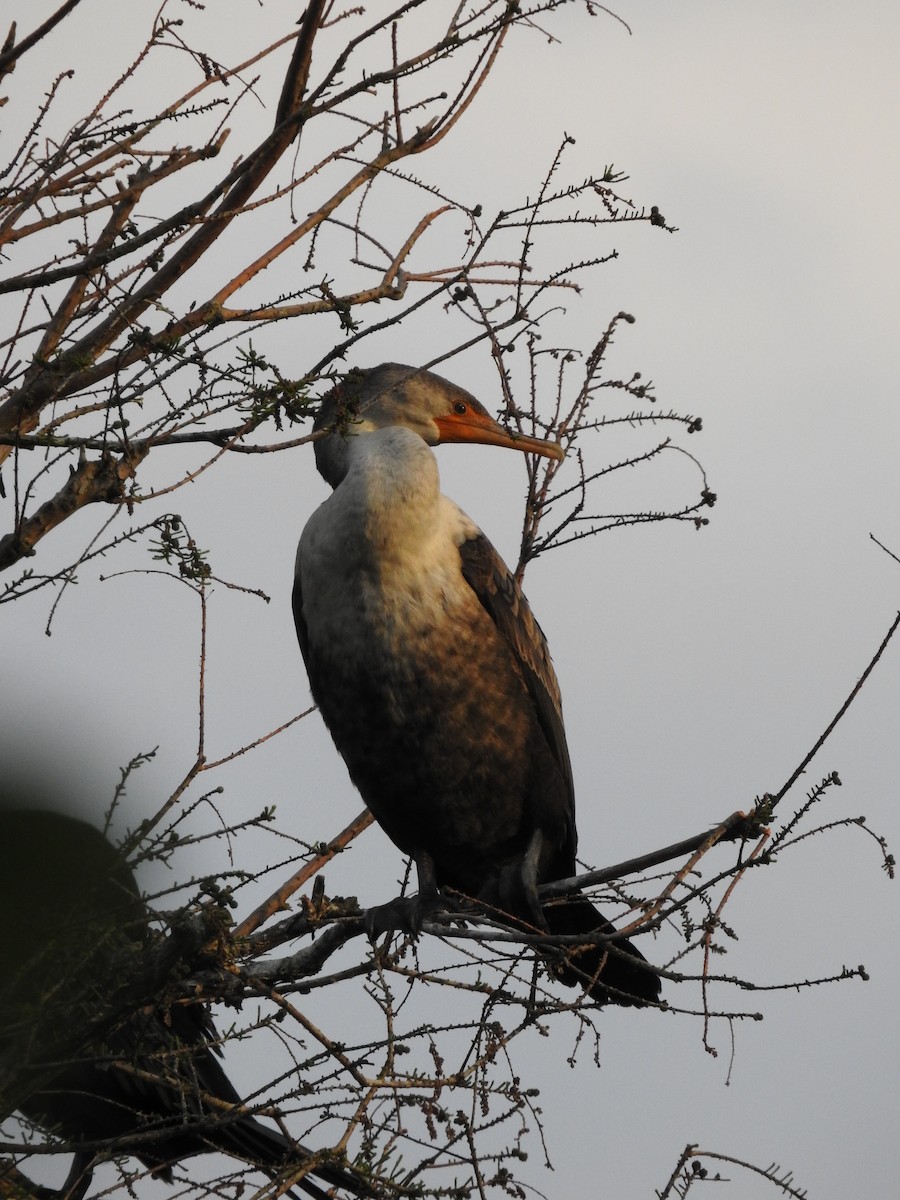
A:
396, 473
391, 493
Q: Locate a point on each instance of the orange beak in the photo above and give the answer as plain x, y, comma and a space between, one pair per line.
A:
475, 425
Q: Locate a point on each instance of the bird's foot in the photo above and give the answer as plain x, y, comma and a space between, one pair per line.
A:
406, 913
79, 1179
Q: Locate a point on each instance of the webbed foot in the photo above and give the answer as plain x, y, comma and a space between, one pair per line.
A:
406, 913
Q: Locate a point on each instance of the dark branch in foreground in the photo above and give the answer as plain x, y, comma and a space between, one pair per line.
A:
740, 826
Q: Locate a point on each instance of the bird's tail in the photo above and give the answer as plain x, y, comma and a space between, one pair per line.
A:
614, 972
270, 1151
255, 1142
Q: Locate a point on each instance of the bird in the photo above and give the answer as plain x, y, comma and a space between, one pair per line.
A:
78, 1057
433, 676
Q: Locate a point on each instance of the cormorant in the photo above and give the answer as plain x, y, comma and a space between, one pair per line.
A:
432, 674
80, 1056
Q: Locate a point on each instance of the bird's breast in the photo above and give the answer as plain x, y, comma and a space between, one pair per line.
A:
419, 690
374, 587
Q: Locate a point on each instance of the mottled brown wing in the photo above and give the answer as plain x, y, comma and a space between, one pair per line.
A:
492, 582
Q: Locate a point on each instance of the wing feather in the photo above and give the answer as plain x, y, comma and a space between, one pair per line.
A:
498, 593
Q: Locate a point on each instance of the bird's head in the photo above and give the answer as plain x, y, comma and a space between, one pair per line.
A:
391, 395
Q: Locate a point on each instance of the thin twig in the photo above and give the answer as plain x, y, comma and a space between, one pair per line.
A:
829, 729
277, 901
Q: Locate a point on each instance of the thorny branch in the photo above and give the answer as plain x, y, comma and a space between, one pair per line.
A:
111, 359
684, 1177
739, 826
93, 351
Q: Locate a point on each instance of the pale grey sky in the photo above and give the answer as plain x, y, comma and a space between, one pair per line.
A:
697, 668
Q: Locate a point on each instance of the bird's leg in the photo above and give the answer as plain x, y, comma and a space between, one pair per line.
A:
515, 889
408, 913
529, 879
79, 1178
518, 884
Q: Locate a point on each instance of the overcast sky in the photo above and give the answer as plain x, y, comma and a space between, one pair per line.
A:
697, 667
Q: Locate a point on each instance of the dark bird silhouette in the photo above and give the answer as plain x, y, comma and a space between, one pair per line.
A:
79, 1056
432, 674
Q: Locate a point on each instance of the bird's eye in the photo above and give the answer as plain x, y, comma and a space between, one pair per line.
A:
460, 407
